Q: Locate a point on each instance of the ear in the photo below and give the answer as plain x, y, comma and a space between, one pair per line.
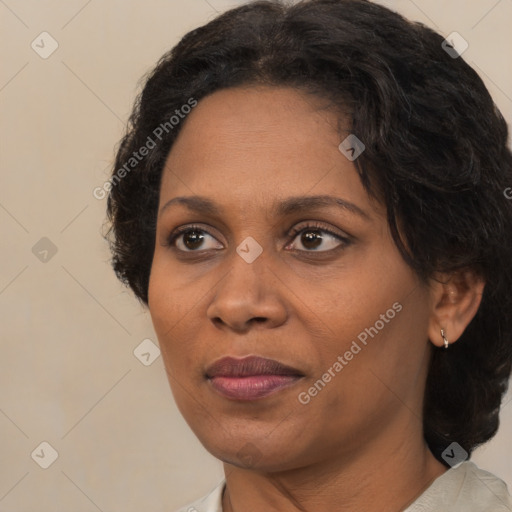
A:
455, 299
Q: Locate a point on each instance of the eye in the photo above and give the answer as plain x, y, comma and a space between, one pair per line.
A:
314, 238
191, 238
314, 235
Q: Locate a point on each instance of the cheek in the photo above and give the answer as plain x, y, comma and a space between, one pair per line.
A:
167, 308
160, 300
175, 305
374, 379
168, 297
355, 298
374, 312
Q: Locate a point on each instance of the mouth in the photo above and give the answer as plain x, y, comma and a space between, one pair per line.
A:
250, 378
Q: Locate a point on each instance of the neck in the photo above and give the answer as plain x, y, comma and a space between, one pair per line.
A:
380, 477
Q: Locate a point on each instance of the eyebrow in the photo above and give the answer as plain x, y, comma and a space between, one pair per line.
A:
288, 206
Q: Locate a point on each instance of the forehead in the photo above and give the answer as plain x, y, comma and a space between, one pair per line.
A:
255, 144
257, 121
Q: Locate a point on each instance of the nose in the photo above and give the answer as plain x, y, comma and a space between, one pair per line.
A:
249, 295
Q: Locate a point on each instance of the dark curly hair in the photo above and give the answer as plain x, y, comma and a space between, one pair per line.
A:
436, 156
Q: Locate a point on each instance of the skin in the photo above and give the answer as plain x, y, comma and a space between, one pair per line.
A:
300, 302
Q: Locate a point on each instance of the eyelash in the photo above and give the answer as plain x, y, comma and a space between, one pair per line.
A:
314, 226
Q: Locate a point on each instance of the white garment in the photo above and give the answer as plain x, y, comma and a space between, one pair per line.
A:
464, 488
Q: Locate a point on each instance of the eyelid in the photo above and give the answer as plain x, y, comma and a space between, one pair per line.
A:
320, 226
184, 229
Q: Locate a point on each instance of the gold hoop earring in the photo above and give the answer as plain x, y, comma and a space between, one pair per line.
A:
446, 343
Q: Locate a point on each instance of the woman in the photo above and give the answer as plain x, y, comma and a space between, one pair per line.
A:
310, 201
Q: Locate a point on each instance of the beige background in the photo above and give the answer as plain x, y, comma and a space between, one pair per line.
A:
68, 374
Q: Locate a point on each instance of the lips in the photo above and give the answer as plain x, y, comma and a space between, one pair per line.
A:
249, 366
250, 378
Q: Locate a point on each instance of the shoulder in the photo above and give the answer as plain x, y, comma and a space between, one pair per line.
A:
464, 488
212, 502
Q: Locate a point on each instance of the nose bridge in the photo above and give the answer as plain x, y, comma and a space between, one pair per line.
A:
247, 274
248, 290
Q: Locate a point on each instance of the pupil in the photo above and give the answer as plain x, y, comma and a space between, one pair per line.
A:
193, 236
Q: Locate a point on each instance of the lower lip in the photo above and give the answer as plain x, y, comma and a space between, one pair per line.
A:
253, 387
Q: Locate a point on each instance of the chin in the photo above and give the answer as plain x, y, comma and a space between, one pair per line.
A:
253, 452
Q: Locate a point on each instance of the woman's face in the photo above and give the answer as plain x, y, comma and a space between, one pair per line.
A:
335, 301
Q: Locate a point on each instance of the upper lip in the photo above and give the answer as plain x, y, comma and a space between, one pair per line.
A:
249, 366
